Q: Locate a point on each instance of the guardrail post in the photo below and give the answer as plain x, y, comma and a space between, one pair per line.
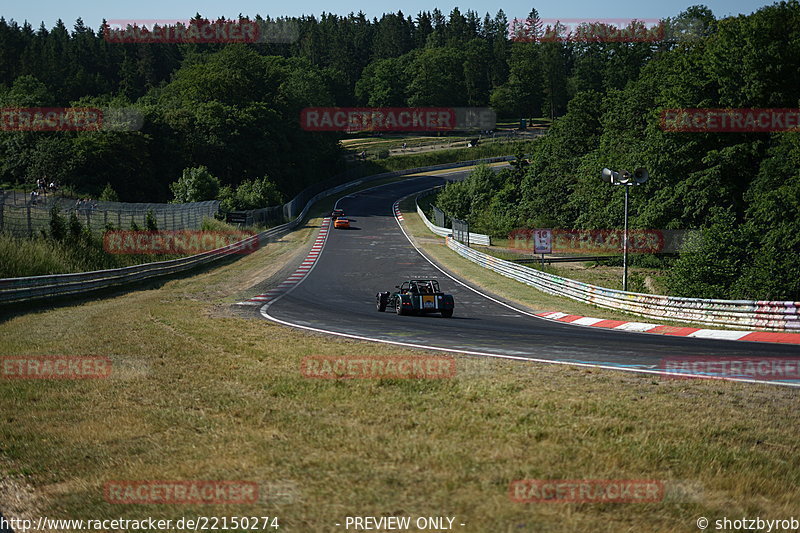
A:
30, 228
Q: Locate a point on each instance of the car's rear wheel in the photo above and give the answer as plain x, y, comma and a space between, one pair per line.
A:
447, 313
381, 302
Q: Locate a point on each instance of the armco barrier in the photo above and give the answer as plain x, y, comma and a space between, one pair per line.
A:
474, 238
42, 287
781, 316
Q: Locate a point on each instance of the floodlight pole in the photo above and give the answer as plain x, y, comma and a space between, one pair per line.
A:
625, 245
626, 179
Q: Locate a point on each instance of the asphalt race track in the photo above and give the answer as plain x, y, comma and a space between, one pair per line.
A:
338, 296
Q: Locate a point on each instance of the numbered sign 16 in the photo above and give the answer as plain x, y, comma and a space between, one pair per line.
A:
542, 241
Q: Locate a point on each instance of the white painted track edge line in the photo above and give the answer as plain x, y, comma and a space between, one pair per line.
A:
670, 375
263, 310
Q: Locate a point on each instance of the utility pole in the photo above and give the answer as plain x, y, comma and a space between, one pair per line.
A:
626, 179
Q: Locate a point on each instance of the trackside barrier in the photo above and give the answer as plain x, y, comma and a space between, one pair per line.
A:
474, 238
781, 316
50, 286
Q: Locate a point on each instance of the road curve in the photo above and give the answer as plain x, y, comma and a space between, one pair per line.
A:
338, 296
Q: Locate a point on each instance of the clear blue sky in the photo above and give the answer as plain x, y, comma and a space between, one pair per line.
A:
93, 11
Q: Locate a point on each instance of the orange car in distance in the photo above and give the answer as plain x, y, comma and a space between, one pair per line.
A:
341, 223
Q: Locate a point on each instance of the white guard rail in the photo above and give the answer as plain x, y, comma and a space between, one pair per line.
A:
781, 316
41, 287
474, 238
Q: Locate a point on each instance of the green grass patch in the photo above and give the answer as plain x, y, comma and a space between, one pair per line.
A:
200, 393
41, 256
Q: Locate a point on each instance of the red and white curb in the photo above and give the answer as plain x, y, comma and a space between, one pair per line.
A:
299, 274
609, 366
643, 327
678, 331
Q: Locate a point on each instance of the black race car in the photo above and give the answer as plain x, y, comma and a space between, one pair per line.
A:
337, 213
417, 296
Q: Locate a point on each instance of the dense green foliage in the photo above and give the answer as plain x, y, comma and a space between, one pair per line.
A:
250, 194
229, 108
741, 189
233, 109
195, 185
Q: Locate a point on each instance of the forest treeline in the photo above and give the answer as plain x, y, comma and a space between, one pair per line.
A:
234, 108
741, 190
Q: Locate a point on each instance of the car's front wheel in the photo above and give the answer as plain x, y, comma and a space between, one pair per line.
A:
399, 307
382, 299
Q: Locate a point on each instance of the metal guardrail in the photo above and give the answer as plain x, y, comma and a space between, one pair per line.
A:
41, 287
773, 315
474, 238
